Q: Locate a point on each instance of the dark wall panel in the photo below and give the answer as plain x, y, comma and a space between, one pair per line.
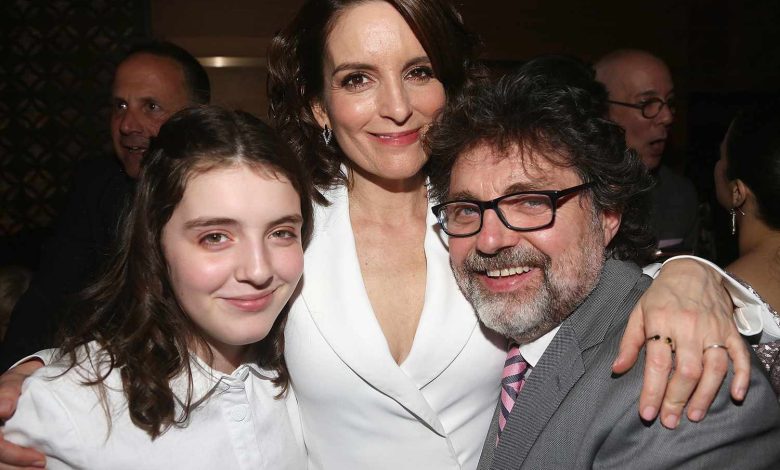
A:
55, 74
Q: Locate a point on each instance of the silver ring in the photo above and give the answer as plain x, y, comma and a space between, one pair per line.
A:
714, 346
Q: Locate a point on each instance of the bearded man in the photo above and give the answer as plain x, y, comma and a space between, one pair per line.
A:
545, 210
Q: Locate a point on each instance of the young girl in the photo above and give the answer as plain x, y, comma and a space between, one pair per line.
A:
177, 359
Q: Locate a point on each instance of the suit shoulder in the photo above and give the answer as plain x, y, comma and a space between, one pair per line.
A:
732, 435
679, 183
95, 175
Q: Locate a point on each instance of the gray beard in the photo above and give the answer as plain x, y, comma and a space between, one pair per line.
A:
525, 316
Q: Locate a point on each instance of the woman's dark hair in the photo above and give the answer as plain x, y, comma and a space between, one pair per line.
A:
753, 156
554, 106
295, 71
131, 310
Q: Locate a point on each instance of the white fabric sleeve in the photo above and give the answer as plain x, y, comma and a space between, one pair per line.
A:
46, 356
750, 314
43, 422
652, 269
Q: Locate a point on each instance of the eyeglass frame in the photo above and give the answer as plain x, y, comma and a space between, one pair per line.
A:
643, 105
554, 195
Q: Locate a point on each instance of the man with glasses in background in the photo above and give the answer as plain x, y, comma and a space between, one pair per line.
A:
641, 101
545, 212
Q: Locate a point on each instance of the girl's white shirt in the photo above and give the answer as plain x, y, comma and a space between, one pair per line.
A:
239, 424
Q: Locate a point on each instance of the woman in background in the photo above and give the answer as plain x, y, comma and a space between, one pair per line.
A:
747, 184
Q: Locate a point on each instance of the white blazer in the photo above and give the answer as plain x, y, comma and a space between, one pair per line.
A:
358, 408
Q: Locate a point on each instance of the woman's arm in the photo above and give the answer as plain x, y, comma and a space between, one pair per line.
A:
689, 304
11, 455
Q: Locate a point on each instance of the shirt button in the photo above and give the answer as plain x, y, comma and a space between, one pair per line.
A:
238, 413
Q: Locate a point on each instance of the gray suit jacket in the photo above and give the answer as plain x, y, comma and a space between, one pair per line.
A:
573, 413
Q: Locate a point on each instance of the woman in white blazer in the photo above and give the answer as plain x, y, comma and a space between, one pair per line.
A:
390, 367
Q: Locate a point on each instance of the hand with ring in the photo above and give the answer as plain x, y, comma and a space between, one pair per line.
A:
688, 310
666, 340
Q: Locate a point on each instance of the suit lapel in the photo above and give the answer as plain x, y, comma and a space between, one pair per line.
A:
551, 380
489, 447
447, 321
344, 317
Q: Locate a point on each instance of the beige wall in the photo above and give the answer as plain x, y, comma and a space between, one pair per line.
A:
234, 28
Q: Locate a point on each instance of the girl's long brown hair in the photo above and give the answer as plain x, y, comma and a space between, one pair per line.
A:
131, 310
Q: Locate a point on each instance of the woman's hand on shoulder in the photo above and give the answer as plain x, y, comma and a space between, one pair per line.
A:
685, 321
11, 455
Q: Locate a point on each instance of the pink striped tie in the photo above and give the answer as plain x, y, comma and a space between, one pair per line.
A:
512, 382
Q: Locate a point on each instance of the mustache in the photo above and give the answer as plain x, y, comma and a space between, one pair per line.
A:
508, 258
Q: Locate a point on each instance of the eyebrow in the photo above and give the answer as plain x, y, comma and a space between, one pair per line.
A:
652, 94
139, 98
366, 66
537, 185
203, 222
288, 219
514, 188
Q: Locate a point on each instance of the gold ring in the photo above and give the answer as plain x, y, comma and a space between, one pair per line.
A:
714, 346
665, 339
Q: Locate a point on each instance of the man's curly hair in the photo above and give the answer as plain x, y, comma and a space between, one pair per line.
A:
552, 105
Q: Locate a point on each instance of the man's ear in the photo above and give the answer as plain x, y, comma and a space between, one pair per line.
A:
320, 114
610, 223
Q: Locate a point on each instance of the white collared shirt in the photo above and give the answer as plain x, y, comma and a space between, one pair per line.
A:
534, 350
240, 425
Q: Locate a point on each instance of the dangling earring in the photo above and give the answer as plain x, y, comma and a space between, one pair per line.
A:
733, 213
327, 135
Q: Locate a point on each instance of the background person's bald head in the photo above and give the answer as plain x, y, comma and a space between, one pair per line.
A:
633, 76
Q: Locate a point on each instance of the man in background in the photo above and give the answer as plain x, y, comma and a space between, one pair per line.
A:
641, 101
151, 83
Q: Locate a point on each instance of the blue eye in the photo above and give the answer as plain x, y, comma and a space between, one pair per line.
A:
467, 211
463, 211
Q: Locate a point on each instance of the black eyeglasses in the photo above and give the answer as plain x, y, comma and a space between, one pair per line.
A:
523, 211
651, 107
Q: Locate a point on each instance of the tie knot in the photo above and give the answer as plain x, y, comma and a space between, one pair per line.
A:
515, 364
